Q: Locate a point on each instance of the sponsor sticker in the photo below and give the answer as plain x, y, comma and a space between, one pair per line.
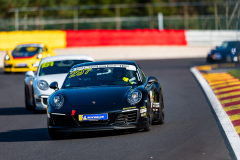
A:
129, 108
128, 67
93, 117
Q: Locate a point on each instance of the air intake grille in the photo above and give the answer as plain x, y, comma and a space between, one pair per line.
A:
126, 117
21, 67
44, 101
62, 120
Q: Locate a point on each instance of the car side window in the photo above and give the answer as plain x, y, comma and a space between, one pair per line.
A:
143, 75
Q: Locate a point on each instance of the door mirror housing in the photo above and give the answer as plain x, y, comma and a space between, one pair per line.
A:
54, 85
217, 47
152, 79
30, 74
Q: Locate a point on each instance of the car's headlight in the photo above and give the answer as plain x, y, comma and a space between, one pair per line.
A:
57, 101
39, 56
134, 97
36, 64
7, 57
43, 85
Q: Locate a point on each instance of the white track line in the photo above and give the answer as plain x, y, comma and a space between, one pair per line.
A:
226, 123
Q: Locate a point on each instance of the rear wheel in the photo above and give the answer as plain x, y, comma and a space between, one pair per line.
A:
149, 122
56, 135
6, 72
27, 106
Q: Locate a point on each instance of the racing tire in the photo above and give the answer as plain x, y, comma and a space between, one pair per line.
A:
209, 60
27, 106
6, 72
149, 121
160, 119
56, 135
35, 111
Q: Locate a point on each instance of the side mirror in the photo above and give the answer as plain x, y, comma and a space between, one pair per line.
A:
54, 85
152, 79
30, 74
217, 47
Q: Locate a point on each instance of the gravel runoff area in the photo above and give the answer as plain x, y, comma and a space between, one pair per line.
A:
133, 52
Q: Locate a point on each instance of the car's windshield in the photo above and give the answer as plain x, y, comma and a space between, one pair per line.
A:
58, 67
230, 45
29, 51
98, 75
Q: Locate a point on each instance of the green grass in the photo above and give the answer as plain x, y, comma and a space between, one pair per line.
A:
235, 73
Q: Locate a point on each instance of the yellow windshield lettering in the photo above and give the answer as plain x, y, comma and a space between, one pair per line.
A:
79, 72
48, 64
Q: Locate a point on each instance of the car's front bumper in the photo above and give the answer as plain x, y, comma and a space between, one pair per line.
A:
133, 125
130, 119
41, 102
12, 66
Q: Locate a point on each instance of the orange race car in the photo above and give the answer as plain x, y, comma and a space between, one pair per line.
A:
26, 57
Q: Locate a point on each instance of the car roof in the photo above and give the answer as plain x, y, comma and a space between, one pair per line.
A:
31, 44
68, 57
106, 62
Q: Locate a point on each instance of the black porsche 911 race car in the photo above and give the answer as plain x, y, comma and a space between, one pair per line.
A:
107, 95
229, 51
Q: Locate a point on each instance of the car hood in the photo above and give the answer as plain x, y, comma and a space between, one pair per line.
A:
95, 95
223, 51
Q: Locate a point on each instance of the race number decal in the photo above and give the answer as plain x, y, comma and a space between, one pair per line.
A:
47, 64
79, 72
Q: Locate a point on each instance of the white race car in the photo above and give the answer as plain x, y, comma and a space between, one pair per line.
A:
50, 69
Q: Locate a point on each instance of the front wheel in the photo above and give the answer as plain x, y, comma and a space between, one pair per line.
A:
149, 122
56, 135
35, 111
27, 106
160, 119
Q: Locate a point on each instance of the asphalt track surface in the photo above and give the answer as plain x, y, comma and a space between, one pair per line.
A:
191, 130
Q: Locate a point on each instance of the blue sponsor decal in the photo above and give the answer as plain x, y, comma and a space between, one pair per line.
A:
93, 117
217, 56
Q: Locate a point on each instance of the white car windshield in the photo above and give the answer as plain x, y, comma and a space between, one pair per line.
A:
58, 67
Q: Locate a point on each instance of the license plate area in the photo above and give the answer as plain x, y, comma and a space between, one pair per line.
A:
217, 56
92, 117
21, 65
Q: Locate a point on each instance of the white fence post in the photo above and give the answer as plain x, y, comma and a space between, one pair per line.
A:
160, 21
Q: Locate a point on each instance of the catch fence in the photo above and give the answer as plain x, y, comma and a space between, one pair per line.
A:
222, 16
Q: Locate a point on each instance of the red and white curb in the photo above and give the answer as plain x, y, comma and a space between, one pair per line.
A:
223, 118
